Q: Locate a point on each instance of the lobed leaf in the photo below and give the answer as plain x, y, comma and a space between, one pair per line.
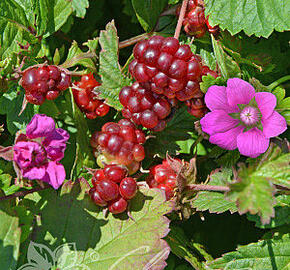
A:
102, 243
260, 18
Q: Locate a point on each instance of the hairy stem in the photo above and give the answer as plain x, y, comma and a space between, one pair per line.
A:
180, 19
23, 193
207, 188
133, 40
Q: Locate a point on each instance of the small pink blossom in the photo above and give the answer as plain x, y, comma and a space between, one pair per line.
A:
37, 154
241, 118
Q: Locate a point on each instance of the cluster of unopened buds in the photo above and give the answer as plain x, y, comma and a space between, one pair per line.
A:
113, 188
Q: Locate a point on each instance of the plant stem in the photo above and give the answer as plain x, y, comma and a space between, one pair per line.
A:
279, 81
133, 40
207, 188
180, 19
23, 193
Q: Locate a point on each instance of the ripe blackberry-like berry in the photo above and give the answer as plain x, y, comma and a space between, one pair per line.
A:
112, 188
120, 143
44, 82
196, 107
86, 99
169, 68
144, 107
162, 176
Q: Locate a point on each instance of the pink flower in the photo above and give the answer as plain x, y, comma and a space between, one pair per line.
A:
241, 118
37, 154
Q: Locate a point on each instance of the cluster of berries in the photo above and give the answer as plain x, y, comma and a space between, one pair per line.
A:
112, 188
44, 82
195, 23
162, 176
120, 143
164, 67
144, 107
86, 99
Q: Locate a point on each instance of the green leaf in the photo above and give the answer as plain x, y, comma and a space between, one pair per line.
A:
80, 7
228, 67
10, 233
148, 12
276, 171
77, 57
10, 104
84, 156
254, 194
215, 202
102, 242
112, 78
266, 254
253, 17
282, 214
178, 129
229, 159
209, 80
183, 248
208, 58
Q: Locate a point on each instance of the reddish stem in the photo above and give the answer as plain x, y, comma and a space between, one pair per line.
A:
23, 193
133, 40
207, 188
180, 19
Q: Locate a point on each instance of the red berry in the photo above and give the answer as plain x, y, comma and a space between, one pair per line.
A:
107, 189
118, 206
115, 173
51, 95
128, 188
95, 196
168, 191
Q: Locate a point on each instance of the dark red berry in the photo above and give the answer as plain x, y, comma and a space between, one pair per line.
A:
118, 206
115, 173
95, 196
107, 189
128, 188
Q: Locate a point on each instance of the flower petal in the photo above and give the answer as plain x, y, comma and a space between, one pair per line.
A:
55, 144
217, 122
239, 92
34, 173
55, 174
274, 125
227, 140
266, 103
216, 99
40, 126
252, 143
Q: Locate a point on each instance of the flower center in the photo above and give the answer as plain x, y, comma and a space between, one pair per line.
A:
250, 116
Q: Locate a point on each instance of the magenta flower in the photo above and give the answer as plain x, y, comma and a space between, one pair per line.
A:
37, 154
241, 118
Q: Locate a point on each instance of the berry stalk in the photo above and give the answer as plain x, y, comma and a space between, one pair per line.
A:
180, 19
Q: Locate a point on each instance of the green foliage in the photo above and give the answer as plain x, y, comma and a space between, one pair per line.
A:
10, 104
9, 237
178, 129
148, 11
228, 67
112, 78
260, 18
101, 242
266, 254
215, 202
209, 80
282, 214
80, 7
